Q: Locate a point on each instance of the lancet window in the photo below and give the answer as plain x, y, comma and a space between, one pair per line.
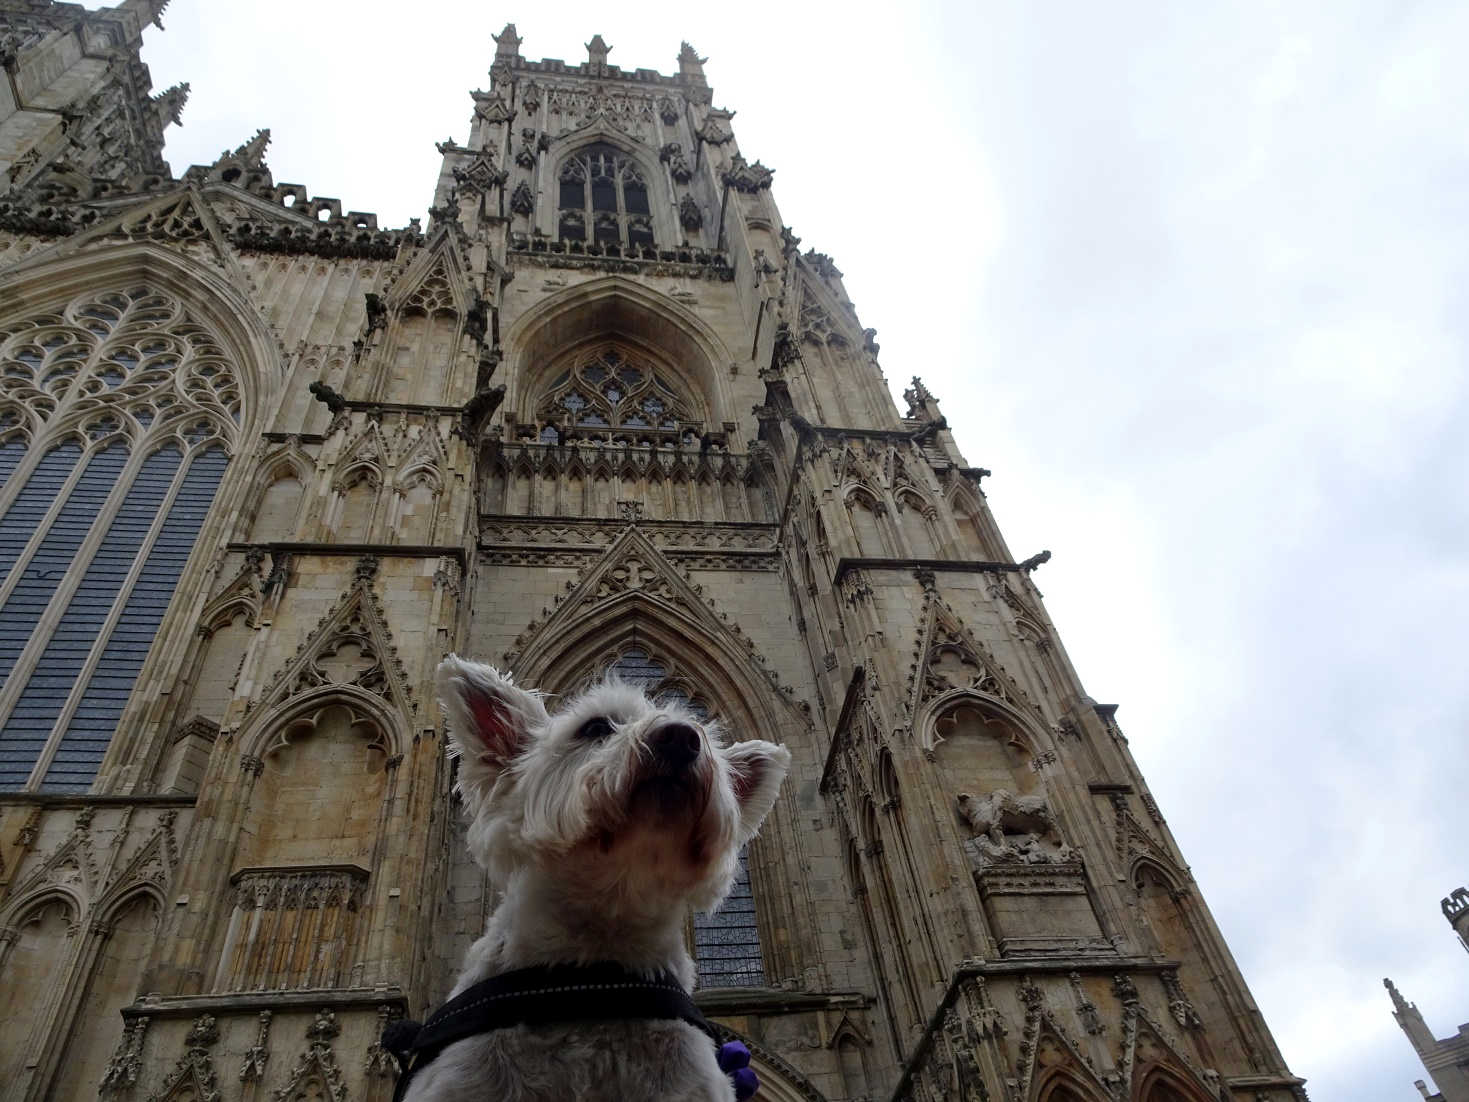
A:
609, 393
117, 415
603, 198
726, 944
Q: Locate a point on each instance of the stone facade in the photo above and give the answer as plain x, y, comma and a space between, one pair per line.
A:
266, 462
1446, 1060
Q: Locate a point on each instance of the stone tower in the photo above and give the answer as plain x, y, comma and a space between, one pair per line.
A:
265, 462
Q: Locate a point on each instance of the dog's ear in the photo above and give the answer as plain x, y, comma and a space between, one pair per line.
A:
489, 720
756, 770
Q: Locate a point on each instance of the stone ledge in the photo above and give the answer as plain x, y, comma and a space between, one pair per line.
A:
252, 1002
728, 1001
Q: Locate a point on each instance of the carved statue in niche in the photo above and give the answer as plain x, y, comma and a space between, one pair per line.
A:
1013, 830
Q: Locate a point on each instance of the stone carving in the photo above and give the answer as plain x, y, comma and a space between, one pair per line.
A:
521, 199
317, 1062
1178, 1001
194, 1069
689, 214
253, 1066
678, 165
748, 178
667, 110
122, 1069
379, 1060
1011, 829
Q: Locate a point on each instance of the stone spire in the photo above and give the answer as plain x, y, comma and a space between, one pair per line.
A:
1411, 1019
507, 44
169, 104
690, 64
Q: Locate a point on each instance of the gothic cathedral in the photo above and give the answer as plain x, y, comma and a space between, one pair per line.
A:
263, 462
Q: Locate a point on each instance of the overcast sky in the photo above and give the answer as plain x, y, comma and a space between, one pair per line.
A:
1190, 279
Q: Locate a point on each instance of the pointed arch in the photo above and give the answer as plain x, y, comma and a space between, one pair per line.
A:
176, 375
615, 306
1063, 1084
373, 679
275, 506
574, 152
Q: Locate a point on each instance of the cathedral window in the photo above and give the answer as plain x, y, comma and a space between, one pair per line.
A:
611, 394
602, 189
726, 944
115, 418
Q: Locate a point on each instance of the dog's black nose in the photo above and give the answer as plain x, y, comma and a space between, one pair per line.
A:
676, 744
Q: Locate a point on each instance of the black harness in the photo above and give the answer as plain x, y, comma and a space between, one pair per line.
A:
540, 996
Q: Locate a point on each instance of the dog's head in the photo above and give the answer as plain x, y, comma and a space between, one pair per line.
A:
640, 803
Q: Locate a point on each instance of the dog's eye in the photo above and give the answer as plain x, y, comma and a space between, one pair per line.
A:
595, 729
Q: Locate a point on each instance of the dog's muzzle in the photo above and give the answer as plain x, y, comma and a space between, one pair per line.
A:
675, 746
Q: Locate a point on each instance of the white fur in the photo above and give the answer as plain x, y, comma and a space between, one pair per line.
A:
600, 848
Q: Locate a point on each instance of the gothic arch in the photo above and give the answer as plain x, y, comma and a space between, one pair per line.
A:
169, 374
613, 306
263, 732
289, 461
779, 1080
124, 895
746, 704
20, 910
570, 145
1025, 730
1161, 1083
219, 304
1064, 1085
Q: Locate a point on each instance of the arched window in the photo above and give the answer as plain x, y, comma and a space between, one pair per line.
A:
130, 407
609, 392
726, 944
603, 198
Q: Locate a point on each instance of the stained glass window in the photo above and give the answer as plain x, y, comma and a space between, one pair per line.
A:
99, 513
603, 188
611, 394
726, 944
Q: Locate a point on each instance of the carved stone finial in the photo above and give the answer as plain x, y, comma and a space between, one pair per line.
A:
170, 102
507, 43
597, 51
690, 64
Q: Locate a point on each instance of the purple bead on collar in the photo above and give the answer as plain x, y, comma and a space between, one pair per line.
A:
734, 1061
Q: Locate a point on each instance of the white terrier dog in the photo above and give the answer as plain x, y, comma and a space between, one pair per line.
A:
603, 824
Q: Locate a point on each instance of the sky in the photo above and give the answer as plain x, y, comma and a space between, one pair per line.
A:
1190, 280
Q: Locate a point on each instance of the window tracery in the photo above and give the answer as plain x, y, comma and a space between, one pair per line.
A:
611, 394
603, 197
726, 944
117, 416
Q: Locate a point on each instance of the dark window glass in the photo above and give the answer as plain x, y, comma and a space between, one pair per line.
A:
48, 566
40, 490
86, 738
727, 943
635, 197
10, 456
25, 732
607, 192
604, 194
